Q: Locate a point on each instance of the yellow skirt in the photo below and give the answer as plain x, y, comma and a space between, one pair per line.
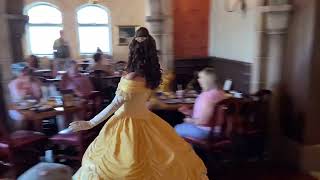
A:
140, 148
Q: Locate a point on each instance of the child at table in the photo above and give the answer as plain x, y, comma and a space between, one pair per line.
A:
196, 123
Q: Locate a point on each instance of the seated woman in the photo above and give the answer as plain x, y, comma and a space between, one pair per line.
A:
33, 62
196, 126
98, 59
73, 80
25, 86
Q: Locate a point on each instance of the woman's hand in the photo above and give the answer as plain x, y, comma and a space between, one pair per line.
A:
80, 126
186, 110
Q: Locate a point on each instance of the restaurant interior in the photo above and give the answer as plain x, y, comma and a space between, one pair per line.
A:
61, 62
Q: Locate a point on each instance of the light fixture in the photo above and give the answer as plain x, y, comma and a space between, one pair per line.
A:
233, 5
94, 1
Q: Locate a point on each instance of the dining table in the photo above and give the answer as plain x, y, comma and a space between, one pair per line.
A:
171, 100
166, 105
42, 70
44, 73
37, 112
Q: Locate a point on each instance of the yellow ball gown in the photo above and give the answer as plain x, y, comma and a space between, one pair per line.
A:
137, 144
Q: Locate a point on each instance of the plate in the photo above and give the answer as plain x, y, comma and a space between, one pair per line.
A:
31, 101
162, 97
173, 101
44, 107
23, 107
189, 100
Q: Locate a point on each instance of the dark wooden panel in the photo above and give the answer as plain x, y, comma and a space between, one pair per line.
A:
239, 72
186, 68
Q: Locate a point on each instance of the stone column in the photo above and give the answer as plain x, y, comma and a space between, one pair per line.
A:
16, 27
272, 24
4, 59
276, 19
5, 49
159, 19
272, 35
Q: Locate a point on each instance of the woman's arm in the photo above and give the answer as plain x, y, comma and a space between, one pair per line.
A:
116, 103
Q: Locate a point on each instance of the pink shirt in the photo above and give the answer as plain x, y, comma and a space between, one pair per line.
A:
81, 85
21, 88
203, 108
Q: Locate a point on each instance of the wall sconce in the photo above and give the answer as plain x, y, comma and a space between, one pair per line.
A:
233, 5
93, 1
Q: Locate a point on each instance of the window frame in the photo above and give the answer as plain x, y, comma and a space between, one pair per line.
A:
28, 25
109, 25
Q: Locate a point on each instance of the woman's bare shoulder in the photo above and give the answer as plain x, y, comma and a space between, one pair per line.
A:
130, 75
134, 76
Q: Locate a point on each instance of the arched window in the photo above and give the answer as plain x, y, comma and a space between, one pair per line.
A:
45, 22
94, 29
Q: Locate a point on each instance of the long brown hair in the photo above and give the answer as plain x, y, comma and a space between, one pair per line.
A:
143, 58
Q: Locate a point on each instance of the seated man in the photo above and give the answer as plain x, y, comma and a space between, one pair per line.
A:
196, 126
25, 86
98, 59
73, 80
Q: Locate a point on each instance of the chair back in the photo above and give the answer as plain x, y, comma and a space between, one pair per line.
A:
98, 74
225, 114
120, 65
254, 111
263, 95
93, 104
96, 79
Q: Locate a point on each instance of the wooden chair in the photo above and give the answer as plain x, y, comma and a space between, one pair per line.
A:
78, 142
120, 66
92, 104
253, 122
219, 147
75, 143
20, 150
107, 90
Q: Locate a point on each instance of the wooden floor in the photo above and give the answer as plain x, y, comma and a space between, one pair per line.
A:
261, 171
253, 171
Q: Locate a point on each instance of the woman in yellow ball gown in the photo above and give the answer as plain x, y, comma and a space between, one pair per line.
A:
135, 143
